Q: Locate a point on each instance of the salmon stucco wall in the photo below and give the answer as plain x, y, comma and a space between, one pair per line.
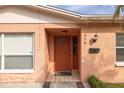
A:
43, 62
101, 64
51, 63
39, 74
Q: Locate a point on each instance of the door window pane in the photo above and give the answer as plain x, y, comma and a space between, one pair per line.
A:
61, 40
74, 45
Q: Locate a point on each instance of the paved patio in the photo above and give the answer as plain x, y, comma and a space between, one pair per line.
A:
63, 85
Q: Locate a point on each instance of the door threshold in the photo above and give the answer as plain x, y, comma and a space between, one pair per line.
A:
75, 70
63, 73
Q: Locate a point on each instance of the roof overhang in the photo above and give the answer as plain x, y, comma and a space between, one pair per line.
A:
102, 19
84, 18
79, 17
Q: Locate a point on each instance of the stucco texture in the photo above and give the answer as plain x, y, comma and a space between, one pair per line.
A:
20, 19
101, 64
40, 70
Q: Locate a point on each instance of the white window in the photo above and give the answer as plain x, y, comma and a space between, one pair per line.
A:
119, 49
0, 50
16, 52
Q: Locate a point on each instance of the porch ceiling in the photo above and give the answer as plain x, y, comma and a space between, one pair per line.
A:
63, 31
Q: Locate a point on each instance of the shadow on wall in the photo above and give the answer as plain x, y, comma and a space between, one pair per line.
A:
41, 75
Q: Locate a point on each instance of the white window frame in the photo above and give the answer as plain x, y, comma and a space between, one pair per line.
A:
119, 63
3, 70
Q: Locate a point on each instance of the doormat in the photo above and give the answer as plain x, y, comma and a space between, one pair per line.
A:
80, 85
46, 85
63, 73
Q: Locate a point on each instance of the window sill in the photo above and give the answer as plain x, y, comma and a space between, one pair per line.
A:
17, 71
120, 64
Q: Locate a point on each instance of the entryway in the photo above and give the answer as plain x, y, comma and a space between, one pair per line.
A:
64, 80
63, 51
66, 53
64, 77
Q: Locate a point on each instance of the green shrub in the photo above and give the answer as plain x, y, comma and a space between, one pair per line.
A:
95, 82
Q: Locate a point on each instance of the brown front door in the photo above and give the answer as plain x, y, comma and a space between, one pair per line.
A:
62, 53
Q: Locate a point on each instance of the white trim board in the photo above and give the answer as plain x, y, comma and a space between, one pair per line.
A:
17, 71
119, 63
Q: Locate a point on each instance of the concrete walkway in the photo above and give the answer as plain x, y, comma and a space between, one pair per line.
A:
63, 80
74, 77
86, 84
49, 85
21, 85
63, 85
